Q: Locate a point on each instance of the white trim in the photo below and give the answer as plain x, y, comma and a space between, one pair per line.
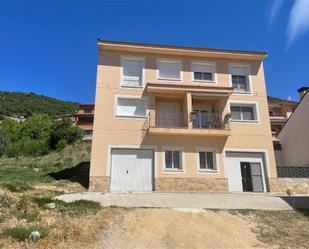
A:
255, 104
265, 151
179, 61
173, 148
215, 157
130, 146
117, 96
248, 67
138, 58
265, 157
206, 63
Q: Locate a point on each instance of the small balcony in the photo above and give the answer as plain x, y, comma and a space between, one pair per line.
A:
197, 123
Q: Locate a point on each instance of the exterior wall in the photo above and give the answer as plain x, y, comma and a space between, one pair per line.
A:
126, 132
294, 137
289, 185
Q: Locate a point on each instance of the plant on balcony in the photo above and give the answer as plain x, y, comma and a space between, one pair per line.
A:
227, 119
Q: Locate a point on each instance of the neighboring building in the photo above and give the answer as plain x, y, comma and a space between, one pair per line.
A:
171, 118
294, 136
279, 112
83, 119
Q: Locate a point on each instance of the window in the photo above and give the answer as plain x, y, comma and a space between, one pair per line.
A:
169, 69
244, 112
132, 72
203, 71
240, 78
173, 159
207, 160
88, 110
131, 107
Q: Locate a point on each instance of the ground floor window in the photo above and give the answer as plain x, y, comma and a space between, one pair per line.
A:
173, 159
207, 160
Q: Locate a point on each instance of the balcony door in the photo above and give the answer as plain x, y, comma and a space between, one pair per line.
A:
168, 115
200, 119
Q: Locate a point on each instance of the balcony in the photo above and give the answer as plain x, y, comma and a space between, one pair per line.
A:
198, 123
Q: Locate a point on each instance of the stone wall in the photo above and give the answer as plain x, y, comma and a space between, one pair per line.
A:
191, 184
99, 183
296, 185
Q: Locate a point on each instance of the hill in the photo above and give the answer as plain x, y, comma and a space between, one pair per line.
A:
275, 99
17, 104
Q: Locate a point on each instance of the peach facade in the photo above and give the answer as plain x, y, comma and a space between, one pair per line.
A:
224, 137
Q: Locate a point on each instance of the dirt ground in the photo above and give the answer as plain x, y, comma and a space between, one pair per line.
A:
167, 228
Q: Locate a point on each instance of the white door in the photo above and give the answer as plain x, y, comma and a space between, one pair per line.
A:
131, 170
168, 115
233, 161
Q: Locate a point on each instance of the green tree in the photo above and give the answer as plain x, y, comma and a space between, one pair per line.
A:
64, 131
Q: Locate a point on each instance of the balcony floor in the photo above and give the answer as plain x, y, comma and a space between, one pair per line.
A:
190, 132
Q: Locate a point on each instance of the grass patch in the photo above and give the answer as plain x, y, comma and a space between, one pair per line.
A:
28, 216
22, 233
41, 201
78, 208
5, 201
16, 186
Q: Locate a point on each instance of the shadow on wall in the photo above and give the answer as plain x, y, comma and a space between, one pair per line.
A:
298, 202
79, 174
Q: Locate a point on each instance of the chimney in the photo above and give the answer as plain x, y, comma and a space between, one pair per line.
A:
302, 91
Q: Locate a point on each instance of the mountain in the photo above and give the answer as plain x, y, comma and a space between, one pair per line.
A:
19, 104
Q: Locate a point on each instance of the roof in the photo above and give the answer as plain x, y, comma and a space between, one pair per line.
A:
271, 99
183, 49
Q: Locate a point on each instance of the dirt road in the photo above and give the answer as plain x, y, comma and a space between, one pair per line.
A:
168, 228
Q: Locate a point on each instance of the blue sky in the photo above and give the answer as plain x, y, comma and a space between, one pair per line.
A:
50, 47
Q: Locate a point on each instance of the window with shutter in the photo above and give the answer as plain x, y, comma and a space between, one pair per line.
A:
131, 107
169, 69
132, 70
240, 78
203, 72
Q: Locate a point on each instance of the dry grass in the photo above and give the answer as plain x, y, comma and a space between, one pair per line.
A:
281, 229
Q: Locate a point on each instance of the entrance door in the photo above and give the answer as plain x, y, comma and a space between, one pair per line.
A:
201, 119
246, 177
251, 174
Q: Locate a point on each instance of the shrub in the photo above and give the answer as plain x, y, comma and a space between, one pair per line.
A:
61, 144
22, 233
16, 186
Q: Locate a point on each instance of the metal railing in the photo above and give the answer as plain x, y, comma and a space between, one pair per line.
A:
182, 120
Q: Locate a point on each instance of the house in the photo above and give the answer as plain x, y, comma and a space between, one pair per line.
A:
83, 118
294, 136
174, 118
279, 112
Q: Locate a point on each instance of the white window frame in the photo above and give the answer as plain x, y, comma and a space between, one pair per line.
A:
246, 104
176, 61
215, 159
173, 170
206, 63
248, 69
130, 57
117, 97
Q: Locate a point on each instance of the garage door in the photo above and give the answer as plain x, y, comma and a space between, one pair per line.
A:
131, 170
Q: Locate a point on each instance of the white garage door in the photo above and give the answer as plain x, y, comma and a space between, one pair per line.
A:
240, 180
131, 170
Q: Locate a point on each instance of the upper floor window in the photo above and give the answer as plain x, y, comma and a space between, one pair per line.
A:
203, 71
130, 107
240, 78
169, 69
132, 71
88, 110
244, 112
